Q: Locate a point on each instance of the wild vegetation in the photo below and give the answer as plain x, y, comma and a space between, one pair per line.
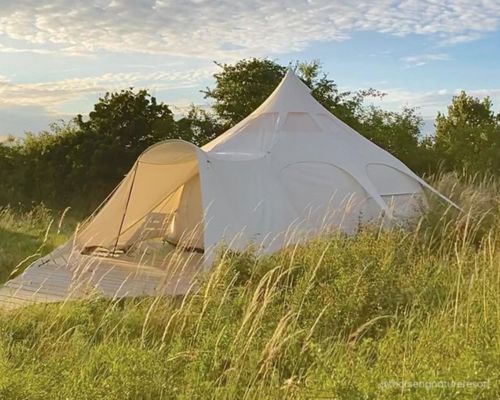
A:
410, 313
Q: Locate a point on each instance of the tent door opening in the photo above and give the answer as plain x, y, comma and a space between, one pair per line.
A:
157, 205
177, 220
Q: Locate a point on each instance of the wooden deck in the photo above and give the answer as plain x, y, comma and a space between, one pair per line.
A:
58, 279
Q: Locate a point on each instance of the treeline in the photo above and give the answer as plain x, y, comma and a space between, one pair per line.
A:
79, 162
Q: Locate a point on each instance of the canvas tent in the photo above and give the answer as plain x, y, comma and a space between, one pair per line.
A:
291, 166
289, 171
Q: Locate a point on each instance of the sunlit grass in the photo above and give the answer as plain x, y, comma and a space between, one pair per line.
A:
339, 317
26, 236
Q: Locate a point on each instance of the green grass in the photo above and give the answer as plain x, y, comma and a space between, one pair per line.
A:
365, 317
25, 236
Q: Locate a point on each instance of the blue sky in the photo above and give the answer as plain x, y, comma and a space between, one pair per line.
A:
58, 56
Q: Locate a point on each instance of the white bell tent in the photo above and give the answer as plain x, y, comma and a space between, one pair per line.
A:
288, 171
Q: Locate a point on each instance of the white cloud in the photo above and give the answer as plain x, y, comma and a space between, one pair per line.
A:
460, 38
225, 29
52, 94
493, 93
182, 106
6, 49
422, 59
33, 106
430, 102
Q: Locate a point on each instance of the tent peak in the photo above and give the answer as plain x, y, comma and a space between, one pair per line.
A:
291, 95
291, 78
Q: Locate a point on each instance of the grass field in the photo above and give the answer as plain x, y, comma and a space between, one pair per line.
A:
411, 314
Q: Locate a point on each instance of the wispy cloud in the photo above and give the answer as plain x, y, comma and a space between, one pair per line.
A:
422, 59
145, 33
430, 102
460, 38
51, 94
225, 29
33, 106
6, 49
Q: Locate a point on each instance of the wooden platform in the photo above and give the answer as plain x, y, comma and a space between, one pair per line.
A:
58, 278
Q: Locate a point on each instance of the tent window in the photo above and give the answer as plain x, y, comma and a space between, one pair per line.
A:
300, 122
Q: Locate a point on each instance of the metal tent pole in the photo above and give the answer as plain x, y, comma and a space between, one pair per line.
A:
125, 210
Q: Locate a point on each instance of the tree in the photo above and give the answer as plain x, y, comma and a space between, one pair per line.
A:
121, 126
9, 171
198, 126
396, 132
127, 123
242, 87
468, 138
87, 156
91, 155
347, 106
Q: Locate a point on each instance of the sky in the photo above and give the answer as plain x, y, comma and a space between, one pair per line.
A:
57, 57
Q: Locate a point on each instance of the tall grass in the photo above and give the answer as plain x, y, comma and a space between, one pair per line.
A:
411, 313
26, 236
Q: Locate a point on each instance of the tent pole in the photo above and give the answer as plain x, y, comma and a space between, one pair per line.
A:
125, 210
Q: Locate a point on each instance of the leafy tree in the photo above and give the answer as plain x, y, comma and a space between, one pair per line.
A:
198, 126
396, 132
91, 155
125, 124
468, 138
347, 106
9, 160
242, 87
39, 168
121, 126
85, 156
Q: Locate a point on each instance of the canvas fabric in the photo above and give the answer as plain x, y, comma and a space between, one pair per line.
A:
289, 171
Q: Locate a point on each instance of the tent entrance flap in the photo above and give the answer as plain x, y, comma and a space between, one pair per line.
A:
159, 199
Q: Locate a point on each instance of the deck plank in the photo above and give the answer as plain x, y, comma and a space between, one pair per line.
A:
51, 281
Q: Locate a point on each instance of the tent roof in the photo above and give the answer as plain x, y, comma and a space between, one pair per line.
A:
290, 96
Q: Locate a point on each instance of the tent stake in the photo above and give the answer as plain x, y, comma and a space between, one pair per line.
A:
125, 210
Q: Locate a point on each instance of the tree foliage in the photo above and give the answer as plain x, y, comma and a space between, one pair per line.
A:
468, 138
198, 126
121, 126
88, 155
242, 87
80, 162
